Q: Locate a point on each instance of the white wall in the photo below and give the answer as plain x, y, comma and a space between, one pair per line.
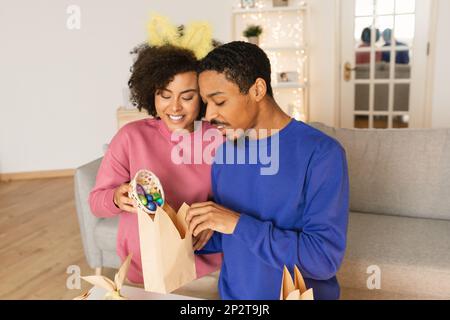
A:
323, 61
60, 88
441, 80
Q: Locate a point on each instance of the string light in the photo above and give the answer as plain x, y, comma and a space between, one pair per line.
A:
283, 40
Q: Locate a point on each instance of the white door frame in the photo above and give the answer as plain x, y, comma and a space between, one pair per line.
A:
428, 110
420, 100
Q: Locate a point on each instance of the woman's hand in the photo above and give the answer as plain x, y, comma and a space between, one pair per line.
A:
200, 240
121, 199
209, 215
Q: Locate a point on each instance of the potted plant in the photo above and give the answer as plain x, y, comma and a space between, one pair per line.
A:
252, 33
247, 4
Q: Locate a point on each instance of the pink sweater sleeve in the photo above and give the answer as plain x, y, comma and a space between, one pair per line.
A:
114, 171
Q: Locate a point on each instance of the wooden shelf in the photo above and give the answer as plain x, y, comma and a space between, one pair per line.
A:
289, 85
286, 47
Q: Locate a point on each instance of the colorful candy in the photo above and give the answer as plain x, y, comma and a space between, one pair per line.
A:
149, 200
151, 206
140, 189
156, 196
143, 199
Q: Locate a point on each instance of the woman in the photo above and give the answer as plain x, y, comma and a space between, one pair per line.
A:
163, 82
363, 57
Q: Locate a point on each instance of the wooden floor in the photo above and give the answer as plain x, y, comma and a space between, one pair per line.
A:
39, 239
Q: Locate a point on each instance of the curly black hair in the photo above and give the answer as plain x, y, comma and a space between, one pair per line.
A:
241, 62
155, 67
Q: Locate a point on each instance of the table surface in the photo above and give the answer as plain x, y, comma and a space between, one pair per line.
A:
133, 293
199, 289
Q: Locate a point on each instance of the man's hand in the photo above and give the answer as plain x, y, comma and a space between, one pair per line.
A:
200, 241
210, 215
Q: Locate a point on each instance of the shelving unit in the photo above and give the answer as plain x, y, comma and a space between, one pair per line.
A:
298, 7
285, 48
285, 40
288, 85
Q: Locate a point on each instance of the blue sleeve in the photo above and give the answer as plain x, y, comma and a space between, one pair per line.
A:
318, 249
403, 57
214, 244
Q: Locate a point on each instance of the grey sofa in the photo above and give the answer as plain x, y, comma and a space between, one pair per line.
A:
399, 210
399, 219
98, 235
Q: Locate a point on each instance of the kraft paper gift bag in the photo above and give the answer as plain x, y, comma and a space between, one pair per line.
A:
166, 249
113, 287
167, 254
291, 290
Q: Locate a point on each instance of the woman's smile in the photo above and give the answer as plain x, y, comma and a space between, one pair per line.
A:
176, 118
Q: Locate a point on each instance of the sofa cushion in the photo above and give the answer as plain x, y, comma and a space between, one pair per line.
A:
84, 181
106, 233
413, 254
403, 172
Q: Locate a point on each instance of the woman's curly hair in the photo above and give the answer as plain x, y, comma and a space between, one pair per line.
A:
154, 68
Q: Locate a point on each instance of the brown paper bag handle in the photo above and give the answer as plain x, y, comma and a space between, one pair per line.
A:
289, 286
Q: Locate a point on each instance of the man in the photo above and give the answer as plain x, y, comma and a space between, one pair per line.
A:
401, 56
295, 215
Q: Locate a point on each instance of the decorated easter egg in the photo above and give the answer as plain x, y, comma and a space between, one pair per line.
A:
143, 199
151, 206
140, 189
156, 196
147, 191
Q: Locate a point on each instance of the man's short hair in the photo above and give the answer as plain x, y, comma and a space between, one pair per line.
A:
241, 63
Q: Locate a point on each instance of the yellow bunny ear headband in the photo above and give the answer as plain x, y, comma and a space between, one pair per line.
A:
197, 36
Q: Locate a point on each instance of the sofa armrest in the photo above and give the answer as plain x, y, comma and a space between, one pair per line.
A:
84, 181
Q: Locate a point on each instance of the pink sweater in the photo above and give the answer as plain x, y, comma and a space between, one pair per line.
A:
146, 144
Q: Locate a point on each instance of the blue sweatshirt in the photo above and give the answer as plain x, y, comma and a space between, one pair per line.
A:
297, 216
